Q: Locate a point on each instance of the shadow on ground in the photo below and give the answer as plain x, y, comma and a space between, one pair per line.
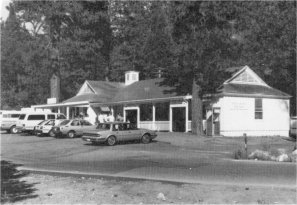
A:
13, 189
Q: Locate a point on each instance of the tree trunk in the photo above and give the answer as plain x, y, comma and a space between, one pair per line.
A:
197, 117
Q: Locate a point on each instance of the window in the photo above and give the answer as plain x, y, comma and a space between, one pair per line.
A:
75, 123
51, 122
36, 117
5, 116
22, 117
61, 117
86, 123
146, 112
51, 117
162, 111
65, 122
15, 115
258, 108
103, 127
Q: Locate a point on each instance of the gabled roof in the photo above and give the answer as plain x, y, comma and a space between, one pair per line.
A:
233, 89
102, 91
111, 87
90, 97
244, 71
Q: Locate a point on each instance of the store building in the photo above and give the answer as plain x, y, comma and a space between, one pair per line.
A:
243, 104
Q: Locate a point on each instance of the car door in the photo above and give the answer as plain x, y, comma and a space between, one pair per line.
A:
85, 126
127, 133
76, 126
134, 132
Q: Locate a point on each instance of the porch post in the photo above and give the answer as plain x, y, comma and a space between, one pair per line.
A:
170, 119
154, 117
67, 112
112, 111
187, 116
124, 113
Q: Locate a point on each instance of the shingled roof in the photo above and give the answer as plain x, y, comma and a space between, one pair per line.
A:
114, 92
251, 90
145, 89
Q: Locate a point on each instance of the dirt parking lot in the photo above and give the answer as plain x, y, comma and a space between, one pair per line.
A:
49, 189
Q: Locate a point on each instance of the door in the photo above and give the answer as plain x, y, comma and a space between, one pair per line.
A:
179, 119
216, 121
131, 116
213, 122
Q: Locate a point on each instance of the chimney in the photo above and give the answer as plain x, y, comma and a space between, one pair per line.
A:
131, 77
55, 87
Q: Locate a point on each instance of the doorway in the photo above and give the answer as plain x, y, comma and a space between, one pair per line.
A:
178, 119
131, 116
213, 122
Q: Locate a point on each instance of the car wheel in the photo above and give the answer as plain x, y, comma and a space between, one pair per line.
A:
146, 139
13, 130
111, 140
71, 134
51, 133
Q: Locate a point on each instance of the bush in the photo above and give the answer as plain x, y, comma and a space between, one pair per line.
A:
260, 155
239, 154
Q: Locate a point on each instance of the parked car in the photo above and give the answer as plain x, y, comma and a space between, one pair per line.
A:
28, 121
114, 132
71, 128
37, 128
293, 127
45, 127
8, 119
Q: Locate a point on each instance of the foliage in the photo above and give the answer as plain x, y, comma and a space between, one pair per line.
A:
13, 189
191, 42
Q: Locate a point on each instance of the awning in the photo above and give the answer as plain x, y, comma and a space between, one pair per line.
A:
102, 108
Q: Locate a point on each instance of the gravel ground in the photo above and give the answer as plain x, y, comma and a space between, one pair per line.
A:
53, 189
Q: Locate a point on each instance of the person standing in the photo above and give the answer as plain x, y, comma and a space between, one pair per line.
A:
110, 117
120, 118
100, 118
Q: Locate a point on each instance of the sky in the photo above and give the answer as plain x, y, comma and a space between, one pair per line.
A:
4, 12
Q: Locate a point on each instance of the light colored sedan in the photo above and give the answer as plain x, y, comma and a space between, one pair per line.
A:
71, 128
114, 132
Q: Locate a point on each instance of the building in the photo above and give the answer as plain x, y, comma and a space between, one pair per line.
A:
243, 104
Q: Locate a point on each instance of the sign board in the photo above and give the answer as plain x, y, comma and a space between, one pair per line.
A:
236, 106
51, 100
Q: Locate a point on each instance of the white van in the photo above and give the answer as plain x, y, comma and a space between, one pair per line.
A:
28, 121
8, 120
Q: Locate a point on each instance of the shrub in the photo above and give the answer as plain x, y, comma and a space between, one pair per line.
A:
260, 155
275, 152
239, 154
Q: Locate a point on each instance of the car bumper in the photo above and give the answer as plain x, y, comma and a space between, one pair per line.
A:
93, 139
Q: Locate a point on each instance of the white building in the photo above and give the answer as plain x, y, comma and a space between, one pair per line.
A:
246, 104
243, 104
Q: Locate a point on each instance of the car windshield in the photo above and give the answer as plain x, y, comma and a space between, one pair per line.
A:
50, 122
103, 127
65, 122
42, 122
61, 117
